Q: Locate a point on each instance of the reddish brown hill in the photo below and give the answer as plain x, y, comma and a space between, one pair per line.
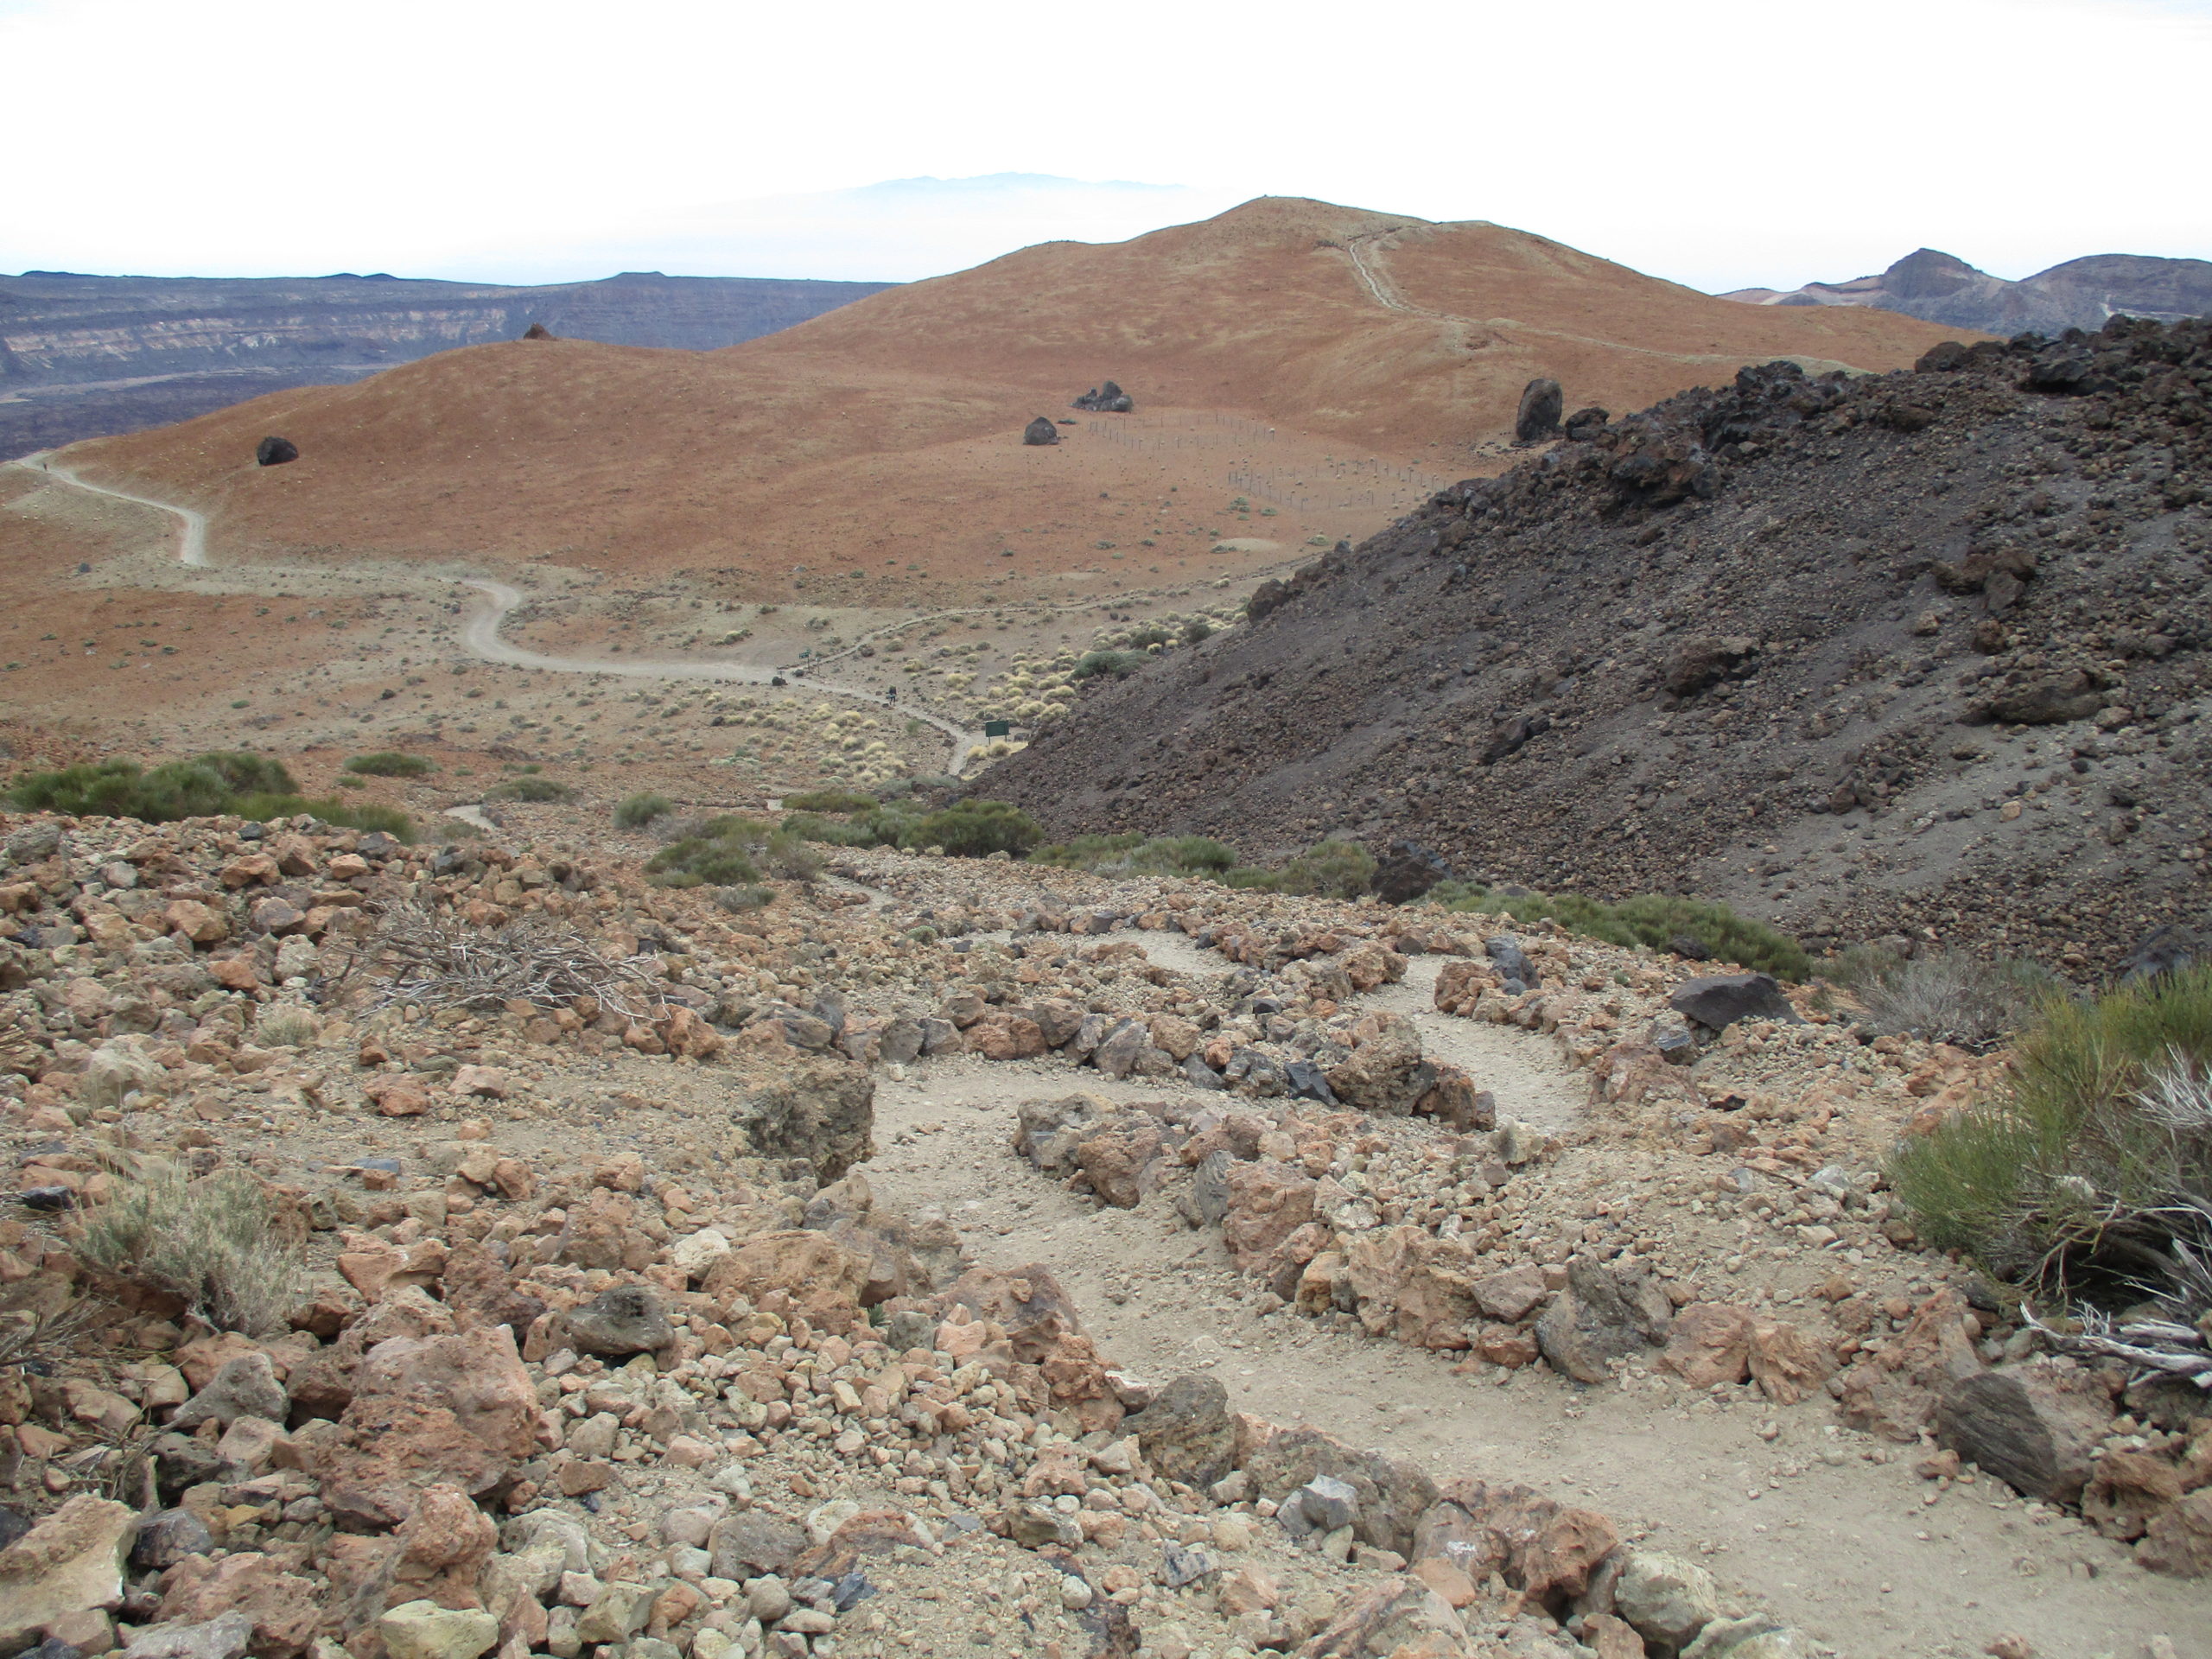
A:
884, 435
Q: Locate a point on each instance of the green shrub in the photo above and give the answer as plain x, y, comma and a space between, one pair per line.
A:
2092, 1166
249, 774
1150, 633
390, 763
1184, 855
1119, 663
636, 811
1088, 852
528, 788
1653, 919
347, 780
788, 858
1195, 855
1329, 869
812, 826
977, 829
699, 859
742, 899
832, 799
215, 1241
208, 785
351, 814
1197, 630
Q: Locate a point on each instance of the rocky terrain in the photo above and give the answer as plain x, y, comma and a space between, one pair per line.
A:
1919, 654
2079, 294
86, 357
954, 1256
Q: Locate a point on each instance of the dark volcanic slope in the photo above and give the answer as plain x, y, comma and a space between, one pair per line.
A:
2079, 294
85, 356
1774, 643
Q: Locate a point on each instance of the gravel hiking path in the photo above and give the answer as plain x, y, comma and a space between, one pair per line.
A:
1786, 1509
191, 546
482, 638
481, 635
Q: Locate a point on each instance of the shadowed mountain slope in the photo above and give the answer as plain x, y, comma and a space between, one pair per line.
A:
1916, 651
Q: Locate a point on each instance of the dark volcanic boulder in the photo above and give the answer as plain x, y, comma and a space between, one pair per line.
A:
275, 452
1040, 431
1407, 871
1106, 399
1538, 419
1719, 1001
1587, 424
539, 331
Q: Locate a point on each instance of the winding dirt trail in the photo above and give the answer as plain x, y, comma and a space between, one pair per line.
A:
191, 549
1365, 253
481, 637
1821, 1528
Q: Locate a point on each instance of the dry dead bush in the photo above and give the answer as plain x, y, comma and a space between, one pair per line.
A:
428, 961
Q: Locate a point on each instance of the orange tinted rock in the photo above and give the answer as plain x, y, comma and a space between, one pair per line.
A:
1788, 1364
283, 1606
1709, 1343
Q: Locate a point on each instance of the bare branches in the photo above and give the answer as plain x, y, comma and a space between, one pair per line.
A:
2149, 1346
436, 962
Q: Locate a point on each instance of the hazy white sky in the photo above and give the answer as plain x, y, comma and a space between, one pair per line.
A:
1720, 143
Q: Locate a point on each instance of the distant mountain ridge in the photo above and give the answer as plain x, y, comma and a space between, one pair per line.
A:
84, 356
2081, 294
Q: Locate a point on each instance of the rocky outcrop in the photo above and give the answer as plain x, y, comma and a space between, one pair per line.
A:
1040, 431
275, 452
1537, 418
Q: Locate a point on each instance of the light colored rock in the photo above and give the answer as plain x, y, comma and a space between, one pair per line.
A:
224, 1637
70, 1561
1667, 1599
423, 1630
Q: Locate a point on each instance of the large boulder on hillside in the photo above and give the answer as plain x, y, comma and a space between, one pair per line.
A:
275, 452
1537, 418
1040, 431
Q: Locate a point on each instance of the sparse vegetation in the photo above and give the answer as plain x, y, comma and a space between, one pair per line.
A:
2091, 1169
831, 799
1192, 855
1945, 997
636, 811
217, 1241
1653, 919
742, 899
1328, 870
209, 785
721, 851
390, 763
543, 791
287, 1025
